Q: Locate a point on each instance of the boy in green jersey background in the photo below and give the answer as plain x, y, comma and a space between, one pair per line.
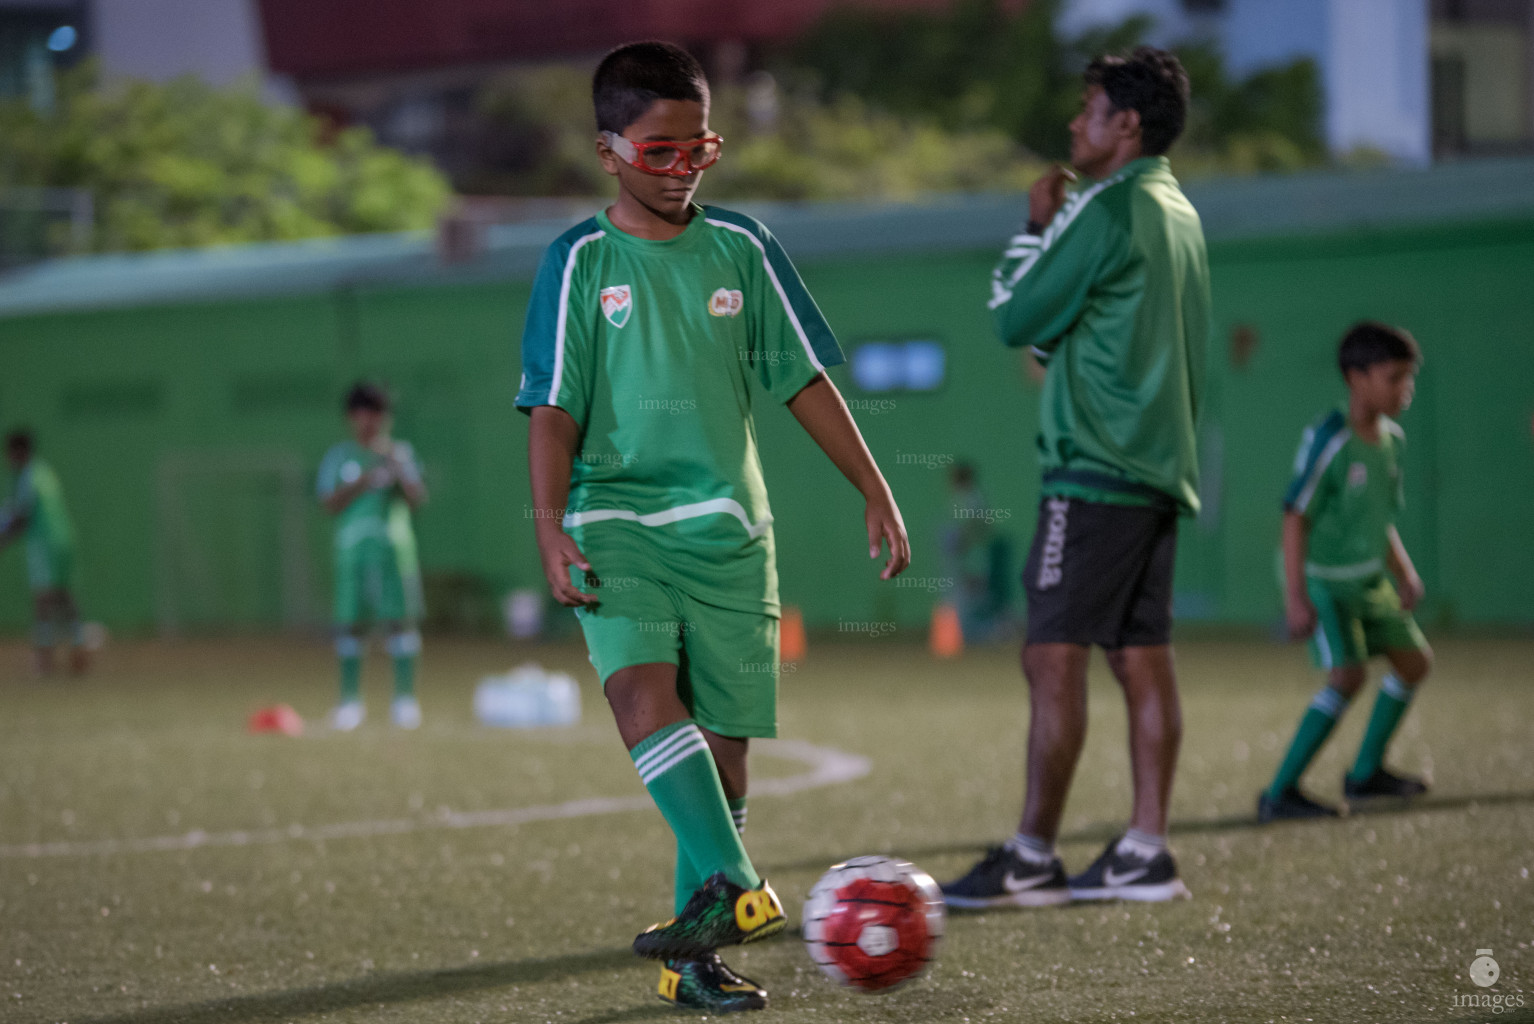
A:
1341, 553
36, 510
646, 328
371, 484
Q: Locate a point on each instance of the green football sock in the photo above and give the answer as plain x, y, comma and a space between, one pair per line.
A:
676, 767
1325, 708
687, 877
349, 655
404, 648
1389, 708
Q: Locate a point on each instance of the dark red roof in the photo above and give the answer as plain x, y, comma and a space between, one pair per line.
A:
311, 38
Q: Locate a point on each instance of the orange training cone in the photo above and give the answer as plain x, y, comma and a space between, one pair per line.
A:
947, 637
791, 641
280, 718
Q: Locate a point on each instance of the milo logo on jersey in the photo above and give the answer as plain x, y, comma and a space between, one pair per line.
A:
617, 304
725, 302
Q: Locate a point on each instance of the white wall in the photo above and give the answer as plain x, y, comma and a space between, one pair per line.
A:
217, 40
1376, 78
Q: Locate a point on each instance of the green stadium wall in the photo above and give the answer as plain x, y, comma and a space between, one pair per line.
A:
186, 433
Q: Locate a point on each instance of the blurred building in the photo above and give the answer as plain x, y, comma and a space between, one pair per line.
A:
217, 40
1413, 79
412, 70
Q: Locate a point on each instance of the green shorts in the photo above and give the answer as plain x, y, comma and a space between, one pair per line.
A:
727, 660
49, 567
375, 574
1356, 621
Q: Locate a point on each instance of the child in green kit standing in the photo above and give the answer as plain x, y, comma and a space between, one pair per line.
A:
36, 511
645, 327
1341, 552
371, 484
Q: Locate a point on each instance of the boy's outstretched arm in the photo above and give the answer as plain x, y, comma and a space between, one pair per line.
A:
1299, 612
1401, 568
553, 438
820, 410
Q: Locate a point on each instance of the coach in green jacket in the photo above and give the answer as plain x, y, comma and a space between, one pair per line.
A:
1109, 285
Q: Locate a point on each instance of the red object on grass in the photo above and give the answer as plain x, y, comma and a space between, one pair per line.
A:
278, 718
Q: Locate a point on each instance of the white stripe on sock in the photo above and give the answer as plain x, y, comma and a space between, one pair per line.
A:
665, 746
1329, 702
682, 754
1031, 848
1392, 685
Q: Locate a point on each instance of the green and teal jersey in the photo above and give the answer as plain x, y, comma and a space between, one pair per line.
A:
652, 347
378, 513
1350, 492
38, 499
1113, 295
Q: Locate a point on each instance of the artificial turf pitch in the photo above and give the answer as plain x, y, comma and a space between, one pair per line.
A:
159, 864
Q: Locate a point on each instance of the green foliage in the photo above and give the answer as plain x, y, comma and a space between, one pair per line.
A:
539, 135
541, 142
185, 164
846, 149
983, 67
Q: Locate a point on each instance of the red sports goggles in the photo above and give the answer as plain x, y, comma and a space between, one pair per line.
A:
675, 157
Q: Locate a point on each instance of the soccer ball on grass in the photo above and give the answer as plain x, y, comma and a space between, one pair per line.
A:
874, 922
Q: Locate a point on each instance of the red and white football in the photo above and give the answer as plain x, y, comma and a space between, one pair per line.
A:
874, 922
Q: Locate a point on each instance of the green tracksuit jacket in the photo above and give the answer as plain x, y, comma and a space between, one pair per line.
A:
1114, 295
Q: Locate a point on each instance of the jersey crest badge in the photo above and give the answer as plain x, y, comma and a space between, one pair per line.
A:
725, 302
1358, 475
617, 304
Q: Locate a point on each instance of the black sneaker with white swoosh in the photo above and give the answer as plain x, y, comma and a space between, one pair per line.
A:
1122, 876
1003, 879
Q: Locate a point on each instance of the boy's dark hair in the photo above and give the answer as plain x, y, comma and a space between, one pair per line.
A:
1151, 82
367, 395
635, 75
20, 441
1370, 342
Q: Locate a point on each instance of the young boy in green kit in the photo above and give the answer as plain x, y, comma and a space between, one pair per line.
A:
1341, 551
36, 511
645, 329
371, 484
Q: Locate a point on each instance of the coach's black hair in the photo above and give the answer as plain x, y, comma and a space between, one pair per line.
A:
367, 395
1370, 342
20, 441
635, 75
1151, 82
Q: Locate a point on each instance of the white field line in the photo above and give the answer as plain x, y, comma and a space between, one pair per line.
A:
826, 767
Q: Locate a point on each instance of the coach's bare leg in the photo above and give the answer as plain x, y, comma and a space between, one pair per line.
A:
1149, 681
1057, 729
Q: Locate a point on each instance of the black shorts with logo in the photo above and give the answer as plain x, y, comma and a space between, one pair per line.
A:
1101, 574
